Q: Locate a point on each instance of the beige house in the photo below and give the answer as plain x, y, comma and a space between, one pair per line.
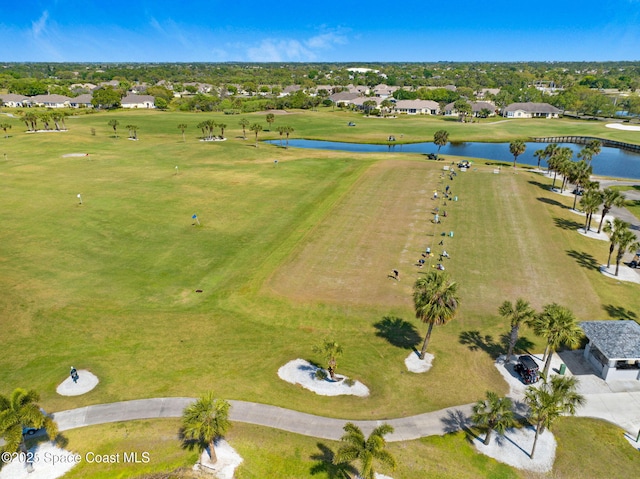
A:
12, 100
138, 101
531, 110
416, 107
48, 101
476, 108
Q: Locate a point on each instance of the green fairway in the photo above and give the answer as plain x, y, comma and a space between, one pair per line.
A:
285, 254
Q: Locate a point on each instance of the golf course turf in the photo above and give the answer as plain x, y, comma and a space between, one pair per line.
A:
285, 254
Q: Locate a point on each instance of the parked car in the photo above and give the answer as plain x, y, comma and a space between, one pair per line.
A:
578, 192
528, 369
351, 124
464, 164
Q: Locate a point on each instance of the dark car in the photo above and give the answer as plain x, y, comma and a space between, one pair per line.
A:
528, 370
464, 164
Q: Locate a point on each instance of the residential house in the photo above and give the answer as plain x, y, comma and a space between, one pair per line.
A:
12, 100
344, 98
138, 101
81, 101
531, 110
49, 101
417, 107
384, 91
477, 108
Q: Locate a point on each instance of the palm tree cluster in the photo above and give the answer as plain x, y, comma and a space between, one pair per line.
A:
208, 128
285, 130
133, 131
31, 119
620, 235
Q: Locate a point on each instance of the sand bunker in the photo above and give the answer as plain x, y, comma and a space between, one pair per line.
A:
620, 126
69, 155
303, 372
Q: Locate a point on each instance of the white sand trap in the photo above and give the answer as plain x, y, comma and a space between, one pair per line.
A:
303, 372
602, 236
225, 466
71, 155
86, 382
624, 274
42, 468
620, 126
417, 365
515, 446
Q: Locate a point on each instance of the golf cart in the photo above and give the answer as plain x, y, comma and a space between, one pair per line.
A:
528, 370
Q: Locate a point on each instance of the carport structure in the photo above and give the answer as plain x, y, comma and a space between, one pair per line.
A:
613, 348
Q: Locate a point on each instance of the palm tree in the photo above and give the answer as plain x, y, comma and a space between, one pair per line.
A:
330, 350
517, 314
435, 301
564, 165
206, 420
558, 326
517, 147
288, 130
550, 400
31, 120
270, 119
590, 202
45, 118
590, 150
56, 116
21, 410
578, 175
222, 127
5, 127
493, 414
441, 138
627, 241
356, 447
281, 130
613, 229
369, 105
133, 131
244, 123
540, 155
182, 127
256, 128
114, 124
610, 198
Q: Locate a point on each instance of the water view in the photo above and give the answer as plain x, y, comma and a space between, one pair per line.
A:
610, 162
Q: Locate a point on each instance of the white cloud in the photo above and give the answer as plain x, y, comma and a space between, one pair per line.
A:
40, 25
271, 50
326, 40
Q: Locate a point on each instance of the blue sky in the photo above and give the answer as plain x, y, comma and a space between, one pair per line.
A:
345, 31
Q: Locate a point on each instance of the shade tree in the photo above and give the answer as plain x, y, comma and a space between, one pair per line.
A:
494, 413
205, 421
517, 314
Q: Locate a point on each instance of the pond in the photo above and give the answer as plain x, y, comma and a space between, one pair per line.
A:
610, 162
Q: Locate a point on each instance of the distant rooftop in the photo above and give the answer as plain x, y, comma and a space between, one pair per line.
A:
614, 339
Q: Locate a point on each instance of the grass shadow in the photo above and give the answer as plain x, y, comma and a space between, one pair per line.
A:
584, 259
326, 466
190, 444
542, 186
566, 224
475, 341
398, 332
619, 312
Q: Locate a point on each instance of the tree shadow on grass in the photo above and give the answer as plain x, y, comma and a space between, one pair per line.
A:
584, 259
542, 186
523, 344
325, 465
566, 224
619, 312
552, 202
475, 341
398, 332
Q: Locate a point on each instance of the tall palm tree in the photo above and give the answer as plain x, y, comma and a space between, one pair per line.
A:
610, 198
256, 128
330, 350
441, 138
557, 324
549, 152
114, 124
281, 130
579, 175
206, 420
561, 161
627, 241
31, 120
21, 410
614, 229
590, 202
539, 155
517, 314
244, 123
182, 127
517, 147
222, 127
436, 302
270, 119
288, 130
550, 400
590, 150
493, 414
356, 448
